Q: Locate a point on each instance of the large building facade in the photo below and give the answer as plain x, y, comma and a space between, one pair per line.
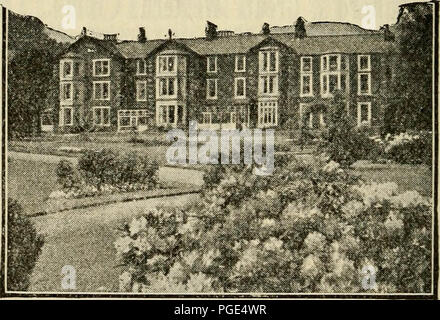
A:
282, 77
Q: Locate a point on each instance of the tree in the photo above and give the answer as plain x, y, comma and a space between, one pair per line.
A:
412, 108
29, 77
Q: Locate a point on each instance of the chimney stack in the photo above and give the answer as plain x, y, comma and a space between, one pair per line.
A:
300, 28
142, 36
210, 30
111, 37
265, 29
388, 35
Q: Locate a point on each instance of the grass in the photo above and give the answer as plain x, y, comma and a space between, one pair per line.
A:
407, 177
30, 183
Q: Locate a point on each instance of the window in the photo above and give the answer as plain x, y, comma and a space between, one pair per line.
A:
101, 116
141, 68
166, 114
67, 91
364, 113
141, 90
240, 63
66, 116
364, 75
269, 61
334, 74
67, 69
128, 119
364, 63
269, 85
211, 64
267, 113
101, 90
101, 67
167, 64
46, 118
306, 76
206, 117
167, 87
364, 83
211, 88
240, 87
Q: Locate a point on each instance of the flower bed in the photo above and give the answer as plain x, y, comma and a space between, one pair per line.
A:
104, 172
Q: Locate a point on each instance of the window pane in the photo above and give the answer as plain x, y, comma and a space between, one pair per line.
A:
171, 86
273, 62
240, 87
105, 90
364, 83
364, 63
171, 111
333, 83
306, 85
343, 82
171, 64
307, 64
333, 63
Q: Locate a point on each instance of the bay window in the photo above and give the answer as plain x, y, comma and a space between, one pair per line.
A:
166, 64
267, 113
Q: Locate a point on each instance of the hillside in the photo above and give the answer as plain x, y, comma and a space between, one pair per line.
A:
28, 32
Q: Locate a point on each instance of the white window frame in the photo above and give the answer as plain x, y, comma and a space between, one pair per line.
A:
95, 61
140, 72
261, 60
159, 71
359, 113
62, 89
94, 90
208, 62
61, 117
132, 115
302, 64
263, 109
360, 74
327, 73
236, 87
159, 87
208, 86
167, 107
266, 77
102, 123
243, 59
368, 69
138, 84
68, 76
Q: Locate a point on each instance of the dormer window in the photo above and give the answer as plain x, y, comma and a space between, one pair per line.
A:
211, 64
240, 63
141, 67
101, 67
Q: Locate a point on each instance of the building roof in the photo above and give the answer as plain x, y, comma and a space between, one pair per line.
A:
325, 28
322, 37
135, 49
373, 43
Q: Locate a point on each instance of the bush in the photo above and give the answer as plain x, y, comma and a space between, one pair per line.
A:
307, 228
343, 142
24, 247
407, 148
107, 171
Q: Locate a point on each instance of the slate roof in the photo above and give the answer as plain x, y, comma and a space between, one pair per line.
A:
325, 28
324, 41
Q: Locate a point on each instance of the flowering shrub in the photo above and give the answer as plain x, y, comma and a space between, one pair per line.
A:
408, 148
307, 228
106, 171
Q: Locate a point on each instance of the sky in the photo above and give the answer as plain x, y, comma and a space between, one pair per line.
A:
187, 18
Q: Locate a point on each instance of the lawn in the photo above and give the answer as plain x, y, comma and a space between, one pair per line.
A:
30, 183
84, 240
